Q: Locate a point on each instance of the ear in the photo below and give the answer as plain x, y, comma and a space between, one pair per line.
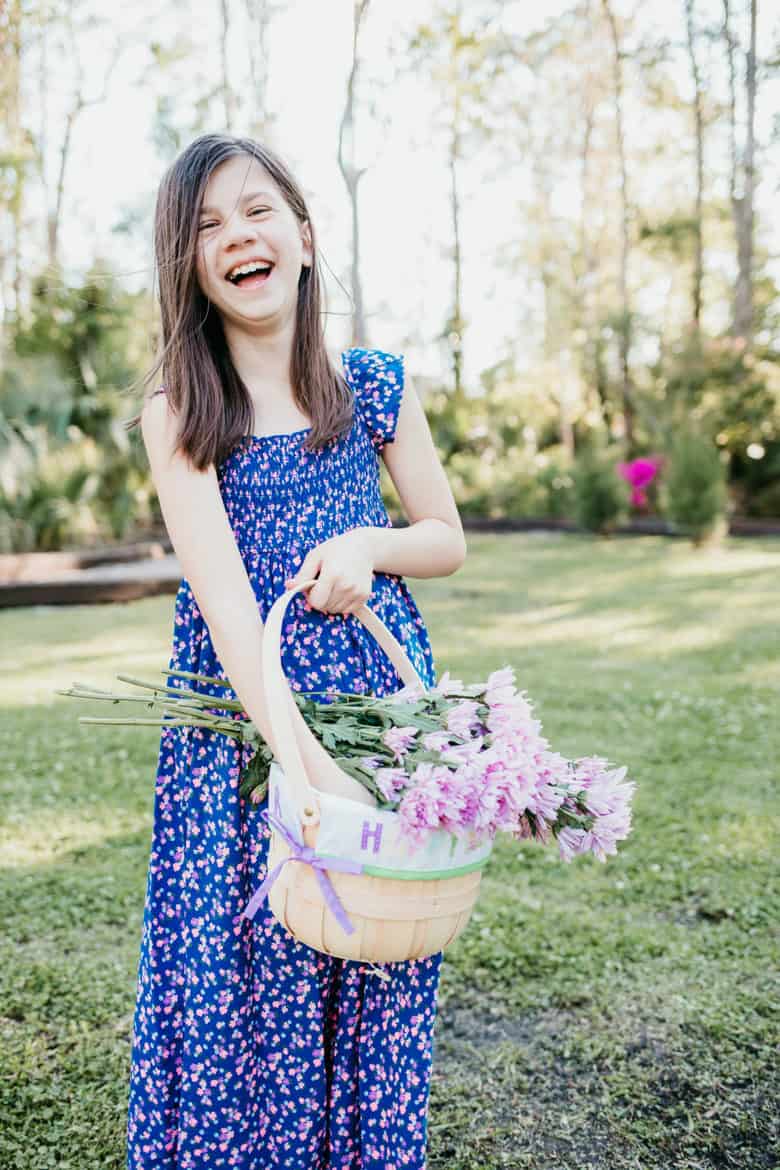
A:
308, 250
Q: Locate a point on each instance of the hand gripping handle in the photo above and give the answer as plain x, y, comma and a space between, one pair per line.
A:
283, 710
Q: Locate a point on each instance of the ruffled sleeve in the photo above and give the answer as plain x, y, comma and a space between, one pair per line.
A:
377, 377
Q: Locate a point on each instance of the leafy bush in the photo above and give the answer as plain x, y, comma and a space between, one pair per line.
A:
555, 478
755, 482
518, 484
694, 488
74, 352
765, 504
599, 493
56, 495
730, 391
46, 494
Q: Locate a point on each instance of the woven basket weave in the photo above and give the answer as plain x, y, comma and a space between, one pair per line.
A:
340, 877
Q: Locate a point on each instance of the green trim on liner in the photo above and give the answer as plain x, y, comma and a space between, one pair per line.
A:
416, 874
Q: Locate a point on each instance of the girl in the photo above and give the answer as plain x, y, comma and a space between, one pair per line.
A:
251, 1050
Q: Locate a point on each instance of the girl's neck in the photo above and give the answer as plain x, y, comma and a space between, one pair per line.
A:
263, 361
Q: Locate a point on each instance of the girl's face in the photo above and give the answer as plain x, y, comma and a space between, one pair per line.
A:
245, 218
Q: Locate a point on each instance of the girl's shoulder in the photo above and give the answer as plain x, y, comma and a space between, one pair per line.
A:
377, 378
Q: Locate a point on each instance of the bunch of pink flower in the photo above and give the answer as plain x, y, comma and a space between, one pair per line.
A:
488, 769
468, 759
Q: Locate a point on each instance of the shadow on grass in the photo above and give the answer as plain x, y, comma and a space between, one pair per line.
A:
534, 1091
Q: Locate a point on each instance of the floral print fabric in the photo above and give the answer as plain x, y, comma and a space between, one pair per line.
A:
251, 1050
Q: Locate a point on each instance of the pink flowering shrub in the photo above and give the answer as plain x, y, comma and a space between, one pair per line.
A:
639, 473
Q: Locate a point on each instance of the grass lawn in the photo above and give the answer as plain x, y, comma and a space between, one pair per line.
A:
613, 1017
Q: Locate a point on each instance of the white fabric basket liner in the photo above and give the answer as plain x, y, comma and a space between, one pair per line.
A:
356, 832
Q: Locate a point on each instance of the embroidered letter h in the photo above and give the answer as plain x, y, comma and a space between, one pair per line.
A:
368, 832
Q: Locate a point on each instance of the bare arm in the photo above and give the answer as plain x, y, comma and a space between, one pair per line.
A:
204, 543
433, 545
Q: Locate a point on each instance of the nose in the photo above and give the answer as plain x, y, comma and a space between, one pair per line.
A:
238, 231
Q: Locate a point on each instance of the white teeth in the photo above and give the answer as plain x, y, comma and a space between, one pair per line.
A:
252, 266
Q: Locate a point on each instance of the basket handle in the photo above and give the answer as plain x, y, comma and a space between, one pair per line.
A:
282, 708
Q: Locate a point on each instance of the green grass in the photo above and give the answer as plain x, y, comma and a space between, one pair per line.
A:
613, 1017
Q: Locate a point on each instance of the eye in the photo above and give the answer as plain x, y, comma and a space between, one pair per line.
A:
252, 212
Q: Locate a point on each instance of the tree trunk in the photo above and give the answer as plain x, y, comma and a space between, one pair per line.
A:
260, 119
585, 324
14, 149
742, 206
77, 105
352, 176
455, 324
698, 264
625, 327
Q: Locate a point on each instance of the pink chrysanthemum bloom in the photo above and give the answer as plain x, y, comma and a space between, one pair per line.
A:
513, 720
463, 717
454, 798
419, 807
546, 799
514, 788
436, 741
408, 694
447, 685
500, 686
391, 782
602, 838
461, 753
588, 768
469, 780
399, 740
605, 794
571, 842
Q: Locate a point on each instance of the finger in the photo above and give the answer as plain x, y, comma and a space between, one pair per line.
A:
348, 601
309, 568
359, 595
345, 597
319, 594
339, 599
297, 580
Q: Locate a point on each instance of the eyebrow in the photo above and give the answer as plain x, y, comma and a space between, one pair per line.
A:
246, 199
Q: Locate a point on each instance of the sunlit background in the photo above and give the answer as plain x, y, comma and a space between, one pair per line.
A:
519, 176
528, 216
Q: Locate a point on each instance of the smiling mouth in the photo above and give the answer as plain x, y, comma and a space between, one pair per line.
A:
252, 279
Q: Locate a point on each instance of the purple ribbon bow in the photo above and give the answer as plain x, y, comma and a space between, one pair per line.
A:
305, 853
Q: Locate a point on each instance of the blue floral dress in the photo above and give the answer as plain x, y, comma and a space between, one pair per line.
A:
250, 1049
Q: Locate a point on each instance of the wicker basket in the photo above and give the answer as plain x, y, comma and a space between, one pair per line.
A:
339, 877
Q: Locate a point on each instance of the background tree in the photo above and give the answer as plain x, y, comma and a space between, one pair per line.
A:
352, 174
742, 172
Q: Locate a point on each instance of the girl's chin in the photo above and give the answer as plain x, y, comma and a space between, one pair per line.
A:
253, 312
252, 302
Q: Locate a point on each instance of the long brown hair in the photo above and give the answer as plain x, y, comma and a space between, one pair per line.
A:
209, 397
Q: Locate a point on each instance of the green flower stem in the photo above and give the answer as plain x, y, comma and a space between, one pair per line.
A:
202, 718
184, 692
206, 678
107, 696
150, 723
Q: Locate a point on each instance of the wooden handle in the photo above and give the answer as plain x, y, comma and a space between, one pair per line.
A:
283, 710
